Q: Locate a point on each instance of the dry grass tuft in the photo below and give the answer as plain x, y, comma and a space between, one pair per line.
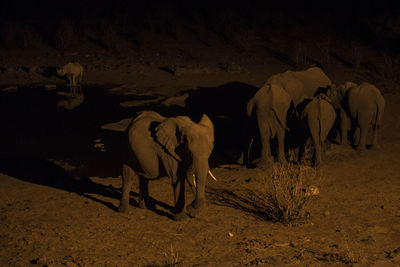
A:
171, 257
291, 192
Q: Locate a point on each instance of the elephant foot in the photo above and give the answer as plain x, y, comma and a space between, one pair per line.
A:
261, 165
123, 209
142, 204
180, 216
146, 204
374, 146
194, 209
360, 148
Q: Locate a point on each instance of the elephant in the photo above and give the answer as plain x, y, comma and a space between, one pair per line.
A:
271, 103
301, 84
358, 106
74, 72
318, 117
175, 147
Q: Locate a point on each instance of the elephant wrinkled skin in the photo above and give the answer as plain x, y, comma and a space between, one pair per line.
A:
359, 106
181, 146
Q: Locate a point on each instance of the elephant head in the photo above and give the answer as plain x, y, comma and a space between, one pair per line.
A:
336, 93
190, 144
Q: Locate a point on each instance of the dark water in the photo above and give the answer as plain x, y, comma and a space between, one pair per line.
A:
34, 128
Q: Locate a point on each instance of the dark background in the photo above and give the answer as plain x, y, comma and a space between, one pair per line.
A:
375, 22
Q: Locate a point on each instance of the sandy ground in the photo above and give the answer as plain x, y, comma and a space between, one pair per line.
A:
59, 191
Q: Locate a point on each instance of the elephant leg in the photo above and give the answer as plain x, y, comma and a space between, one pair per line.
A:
280, 135
128, 175
74, 84
318, 151
343, 128
265, 136
144, 199
195, 207
363, 138
178, 185
374, 144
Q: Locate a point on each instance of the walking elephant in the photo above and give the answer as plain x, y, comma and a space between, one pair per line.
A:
359, 106
175, 147
301, 84
271, 104
318, 117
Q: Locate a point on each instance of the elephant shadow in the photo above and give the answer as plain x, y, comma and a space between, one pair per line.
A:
247, 201
44, 172
225, 105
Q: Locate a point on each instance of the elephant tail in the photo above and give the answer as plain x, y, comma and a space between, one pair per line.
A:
378, 117
319, 121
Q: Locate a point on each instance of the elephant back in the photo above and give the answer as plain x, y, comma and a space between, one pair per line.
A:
301, 84
312, 79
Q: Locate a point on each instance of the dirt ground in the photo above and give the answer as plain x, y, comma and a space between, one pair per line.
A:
60, 186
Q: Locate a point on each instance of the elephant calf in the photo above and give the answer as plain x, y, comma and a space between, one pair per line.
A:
359, 106
319, 117
175, 147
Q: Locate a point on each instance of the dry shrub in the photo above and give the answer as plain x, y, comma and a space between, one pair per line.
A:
324, 49
17, 34
391, 70
301, 55
101, 31
290, 191
356, 55
65, 33
171, 257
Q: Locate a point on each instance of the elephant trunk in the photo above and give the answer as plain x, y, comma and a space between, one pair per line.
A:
200, 171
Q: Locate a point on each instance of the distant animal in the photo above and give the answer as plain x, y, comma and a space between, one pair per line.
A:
73, 71
318, 116
175, 147
359, 106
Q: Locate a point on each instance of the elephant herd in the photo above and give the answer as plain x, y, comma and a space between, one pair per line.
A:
179, 148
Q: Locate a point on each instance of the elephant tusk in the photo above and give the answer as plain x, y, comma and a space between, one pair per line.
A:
194, 181
212, 176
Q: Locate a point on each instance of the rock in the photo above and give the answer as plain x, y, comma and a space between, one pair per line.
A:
119, 126
49, 87
71, 102
11, 89
176, 101
312, 190
233, 67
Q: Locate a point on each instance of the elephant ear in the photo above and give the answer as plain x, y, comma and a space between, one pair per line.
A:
349, 85
169, 136
280, 104
205, 121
